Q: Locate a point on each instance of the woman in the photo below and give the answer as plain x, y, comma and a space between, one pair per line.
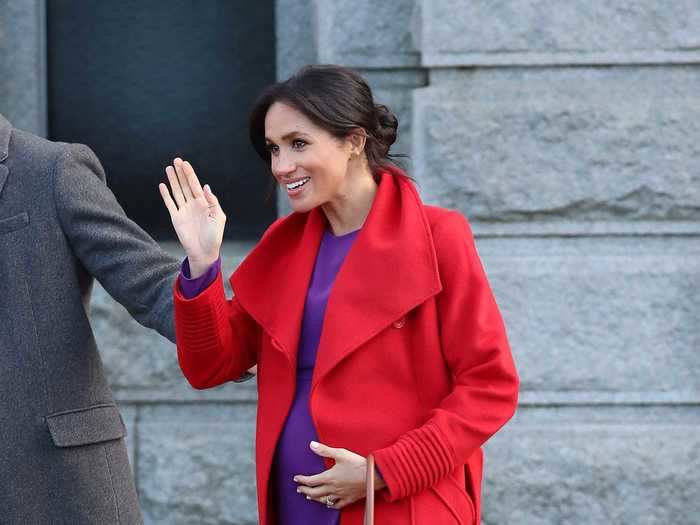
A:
367, 313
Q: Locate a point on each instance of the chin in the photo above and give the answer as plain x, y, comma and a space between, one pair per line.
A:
301, 206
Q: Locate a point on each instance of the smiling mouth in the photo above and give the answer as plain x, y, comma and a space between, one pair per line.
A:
298, 184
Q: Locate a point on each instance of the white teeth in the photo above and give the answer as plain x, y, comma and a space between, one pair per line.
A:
297, 184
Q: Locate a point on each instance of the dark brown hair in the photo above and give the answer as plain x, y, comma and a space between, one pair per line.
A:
336, 99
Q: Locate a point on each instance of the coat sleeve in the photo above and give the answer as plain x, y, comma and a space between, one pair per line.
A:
128, 263
485, 383
217, 340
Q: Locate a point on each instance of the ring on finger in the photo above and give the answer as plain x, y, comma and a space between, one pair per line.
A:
330, 501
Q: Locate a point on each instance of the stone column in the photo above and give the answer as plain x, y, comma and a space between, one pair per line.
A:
23, 64
567, 132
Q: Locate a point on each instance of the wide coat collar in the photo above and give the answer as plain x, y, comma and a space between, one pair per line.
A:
390, 269
5, 132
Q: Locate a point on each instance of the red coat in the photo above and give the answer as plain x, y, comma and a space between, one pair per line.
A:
413, 363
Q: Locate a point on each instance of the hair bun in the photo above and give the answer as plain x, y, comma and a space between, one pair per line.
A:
387, 124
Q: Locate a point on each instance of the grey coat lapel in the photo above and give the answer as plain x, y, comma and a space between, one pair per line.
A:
5, 131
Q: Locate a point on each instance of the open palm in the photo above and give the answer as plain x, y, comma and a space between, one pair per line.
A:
196, 215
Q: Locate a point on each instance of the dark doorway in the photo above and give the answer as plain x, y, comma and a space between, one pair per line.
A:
144, 82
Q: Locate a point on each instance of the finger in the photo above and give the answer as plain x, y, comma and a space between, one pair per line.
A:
167, 199
312, 481
211, 199
326, 451
175, 186
341, 503
315, 493
338, 503
192, 180
209, 195
182, 178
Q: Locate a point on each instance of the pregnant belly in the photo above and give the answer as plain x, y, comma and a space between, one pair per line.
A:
293, 456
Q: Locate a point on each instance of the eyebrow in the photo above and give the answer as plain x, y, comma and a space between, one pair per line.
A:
289, 135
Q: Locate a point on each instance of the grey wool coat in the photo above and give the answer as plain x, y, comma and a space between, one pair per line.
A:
62, 452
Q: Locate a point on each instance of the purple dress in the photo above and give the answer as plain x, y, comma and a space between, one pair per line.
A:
293, 455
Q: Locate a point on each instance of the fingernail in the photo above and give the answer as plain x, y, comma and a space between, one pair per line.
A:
314, 444
298, 490
207, 187
296, 479
308, 497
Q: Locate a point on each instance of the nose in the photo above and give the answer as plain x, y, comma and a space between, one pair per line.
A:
282, 165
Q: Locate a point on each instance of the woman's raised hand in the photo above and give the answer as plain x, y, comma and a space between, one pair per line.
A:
196, 215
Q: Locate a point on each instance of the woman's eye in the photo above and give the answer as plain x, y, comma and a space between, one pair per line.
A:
298, 144
272, 148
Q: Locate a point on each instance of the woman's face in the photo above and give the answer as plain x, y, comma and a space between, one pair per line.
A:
308, 162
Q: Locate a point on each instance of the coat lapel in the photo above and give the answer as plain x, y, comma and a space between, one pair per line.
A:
5, 131
272, 280
391, 269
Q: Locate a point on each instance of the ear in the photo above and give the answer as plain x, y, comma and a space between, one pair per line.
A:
357, 139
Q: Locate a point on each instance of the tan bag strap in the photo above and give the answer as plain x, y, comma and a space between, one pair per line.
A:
369, 496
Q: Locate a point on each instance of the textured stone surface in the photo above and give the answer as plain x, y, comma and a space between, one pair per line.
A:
296, 44
196, 465
23, 64
633, 229
561, 144
584, 473
133, 356
129, 416
139, 362
368, 34
600, 314
455, 32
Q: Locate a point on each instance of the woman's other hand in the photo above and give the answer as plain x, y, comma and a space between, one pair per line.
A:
344, 482
196, 215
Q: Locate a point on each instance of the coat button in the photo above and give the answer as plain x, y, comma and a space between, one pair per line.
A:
400, 323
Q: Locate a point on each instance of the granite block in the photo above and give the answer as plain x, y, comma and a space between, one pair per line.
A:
577, 144
196, 465
534, 32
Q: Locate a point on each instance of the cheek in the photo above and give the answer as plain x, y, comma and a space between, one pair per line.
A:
336, 168
327, 171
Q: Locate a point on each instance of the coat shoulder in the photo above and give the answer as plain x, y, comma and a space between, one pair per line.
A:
27, 147
453, 240
447, 225
42, 156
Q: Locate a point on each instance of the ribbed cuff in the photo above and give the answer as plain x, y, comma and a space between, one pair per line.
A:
197, 319
415, 462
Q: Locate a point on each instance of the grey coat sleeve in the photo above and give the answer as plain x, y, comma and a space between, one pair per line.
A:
128, 263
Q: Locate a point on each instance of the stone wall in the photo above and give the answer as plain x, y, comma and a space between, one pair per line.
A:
192, 451
567, 132
23, 64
